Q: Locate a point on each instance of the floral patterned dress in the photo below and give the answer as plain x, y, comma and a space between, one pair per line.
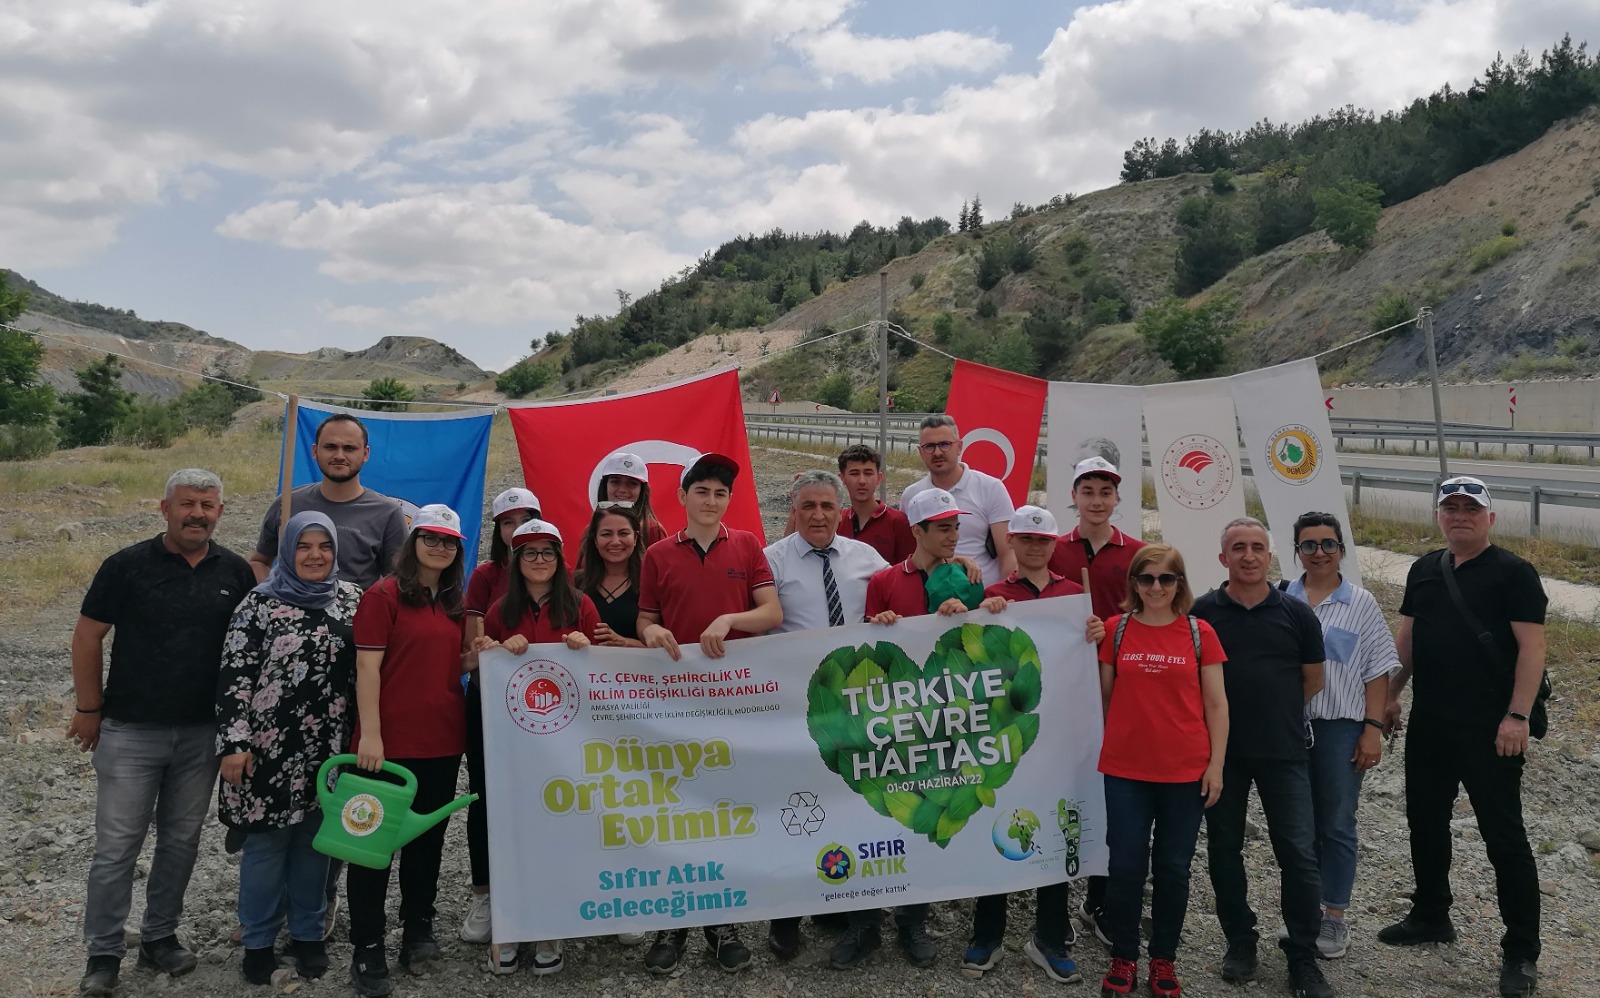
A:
285, 694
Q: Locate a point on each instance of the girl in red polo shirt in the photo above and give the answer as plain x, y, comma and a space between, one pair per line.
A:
1165, 736
540, 607
624, 477
410, 637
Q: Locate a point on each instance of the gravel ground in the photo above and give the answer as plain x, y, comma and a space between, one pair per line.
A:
47, 812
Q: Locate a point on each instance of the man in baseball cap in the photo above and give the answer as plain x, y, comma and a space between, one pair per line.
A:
1465, 485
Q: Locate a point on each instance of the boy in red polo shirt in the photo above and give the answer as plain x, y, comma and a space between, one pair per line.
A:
709, 584
869, 519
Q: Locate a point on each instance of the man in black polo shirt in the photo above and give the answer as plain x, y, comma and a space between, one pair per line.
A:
152, 725
1274, 667
1469, 722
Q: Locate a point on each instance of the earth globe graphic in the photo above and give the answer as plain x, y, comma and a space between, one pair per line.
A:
1015, 833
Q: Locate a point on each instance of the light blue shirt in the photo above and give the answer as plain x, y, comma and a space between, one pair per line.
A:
797, 573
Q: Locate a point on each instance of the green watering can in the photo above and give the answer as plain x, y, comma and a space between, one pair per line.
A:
365, 821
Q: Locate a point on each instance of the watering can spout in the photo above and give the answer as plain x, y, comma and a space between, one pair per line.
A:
416, 824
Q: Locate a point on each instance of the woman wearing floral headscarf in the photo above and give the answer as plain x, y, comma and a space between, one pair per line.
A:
283, 708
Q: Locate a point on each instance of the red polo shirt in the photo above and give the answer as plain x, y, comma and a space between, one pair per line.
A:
690, 588
487, 585
1108, 568
887, 530
1015, 587
902, 588
536, 626
420, 701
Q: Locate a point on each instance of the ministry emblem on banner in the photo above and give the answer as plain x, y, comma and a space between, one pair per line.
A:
1197, 471
1294, 454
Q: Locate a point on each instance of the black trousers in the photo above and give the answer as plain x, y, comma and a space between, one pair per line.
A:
1285, 789
419, 859
1442, 757
1052, 908
478, 810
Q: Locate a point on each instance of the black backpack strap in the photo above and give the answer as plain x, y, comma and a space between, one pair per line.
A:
1116, 640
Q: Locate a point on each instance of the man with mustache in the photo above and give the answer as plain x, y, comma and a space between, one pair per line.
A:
151, 720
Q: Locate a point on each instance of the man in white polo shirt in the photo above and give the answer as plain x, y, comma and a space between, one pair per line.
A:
983, 498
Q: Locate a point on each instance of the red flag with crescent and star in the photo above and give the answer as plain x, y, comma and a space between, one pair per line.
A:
998, 413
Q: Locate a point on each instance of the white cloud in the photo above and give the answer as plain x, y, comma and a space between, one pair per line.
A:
840, 52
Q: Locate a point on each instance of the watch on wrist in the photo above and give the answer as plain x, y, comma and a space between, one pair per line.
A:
1517, 717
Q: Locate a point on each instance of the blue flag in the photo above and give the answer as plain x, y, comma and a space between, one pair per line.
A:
417, 458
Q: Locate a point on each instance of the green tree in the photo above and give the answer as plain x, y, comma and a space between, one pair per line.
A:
1210, 243
944, 326
1192, 340
24, 400
975, 214
814, 279
208, 406
523, 377
1012, 351
11, 302
150, 423
94, 411
987, 309
1051, 334
835, 390
387, 394
1222, 180
992, 264
1350, 213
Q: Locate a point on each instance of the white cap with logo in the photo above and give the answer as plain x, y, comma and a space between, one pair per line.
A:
533, 530
512, 500
1465, 485
1096, 465
627, 464
1033, 520
437, 518
930, 504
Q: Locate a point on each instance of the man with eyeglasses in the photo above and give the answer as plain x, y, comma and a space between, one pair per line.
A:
984, 499
1478, 670
1274, 668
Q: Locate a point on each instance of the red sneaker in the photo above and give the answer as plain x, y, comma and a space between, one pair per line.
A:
1164, 979
1121, 978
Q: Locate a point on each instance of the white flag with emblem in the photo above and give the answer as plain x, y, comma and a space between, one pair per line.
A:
1289, 443
1194, 459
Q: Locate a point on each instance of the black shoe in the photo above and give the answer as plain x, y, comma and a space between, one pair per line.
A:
310, 957
369, 971
783, 938
833, 921
259, 965
1413, 931
919, 947
99, 977
857, 943
729, 950
1306, 980
166, 956
1239, 963
1093, 919
233, 841
417, 945
1518, 978
666, 951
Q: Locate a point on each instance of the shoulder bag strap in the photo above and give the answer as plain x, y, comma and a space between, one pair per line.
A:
1116, 641
1484, 637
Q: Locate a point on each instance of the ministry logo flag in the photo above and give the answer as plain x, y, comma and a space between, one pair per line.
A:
1194, 459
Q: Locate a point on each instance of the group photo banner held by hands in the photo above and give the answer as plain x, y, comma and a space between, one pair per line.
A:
827, 770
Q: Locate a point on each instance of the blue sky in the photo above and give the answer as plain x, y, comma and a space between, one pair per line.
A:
299, 174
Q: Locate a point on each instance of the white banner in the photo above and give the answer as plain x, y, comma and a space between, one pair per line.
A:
1194, 458
825, 770
1089, 421
1292, 458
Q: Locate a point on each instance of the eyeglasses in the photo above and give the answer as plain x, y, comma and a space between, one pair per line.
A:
609, 504
537, 554
936, 446
1469, 488
432, 539
1327, 544
1167, 580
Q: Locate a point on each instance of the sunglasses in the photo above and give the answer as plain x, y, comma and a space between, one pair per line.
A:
537, 554
1467, 488
608, 504
1327, 544
437, 540
1167, 580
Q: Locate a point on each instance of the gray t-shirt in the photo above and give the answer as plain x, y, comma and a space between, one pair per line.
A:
372, 528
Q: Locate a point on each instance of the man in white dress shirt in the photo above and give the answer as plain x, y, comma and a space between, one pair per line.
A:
804, 562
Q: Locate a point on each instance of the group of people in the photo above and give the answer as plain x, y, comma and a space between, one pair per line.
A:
351, 630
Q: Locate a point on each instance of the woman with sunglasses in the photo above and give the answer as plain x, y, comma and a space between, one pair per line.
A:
1346, 715
625, 477
1166, 734
411, 650
540, 607
512, 508
608, 573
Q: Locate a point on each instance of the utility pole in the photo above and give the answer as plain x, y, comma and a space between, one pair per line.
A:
883, 376
1433, 374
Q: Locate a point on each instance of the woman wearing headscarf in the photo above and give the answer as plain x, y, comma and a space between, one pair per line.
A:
283, 708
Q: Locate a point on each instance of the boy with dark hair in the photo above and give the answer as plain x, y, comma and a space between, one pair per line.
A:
869, 519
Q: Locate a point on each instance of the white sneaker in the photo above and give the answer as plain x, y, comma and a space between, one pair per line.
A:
632, 938
475, 927
331, 918
547, 957
503, 958
1333, 941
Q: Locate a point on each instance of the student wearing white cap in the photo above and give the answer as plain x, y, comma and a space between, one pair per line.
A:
625, 478
411, 650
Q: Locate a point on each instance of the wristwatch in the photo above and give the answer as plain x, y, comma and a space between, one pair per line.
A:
1517, 717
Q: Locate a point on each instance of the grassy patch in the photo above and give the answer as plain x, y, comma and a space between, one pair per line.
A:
1491, 251
1556, 559
1526, 365
248, 463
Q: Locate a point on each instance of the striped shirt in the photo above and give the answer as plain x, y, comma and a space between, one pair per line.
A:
1359, 649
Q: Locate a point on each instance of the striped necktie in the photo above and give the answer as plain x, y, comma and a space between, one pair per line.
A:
829, 587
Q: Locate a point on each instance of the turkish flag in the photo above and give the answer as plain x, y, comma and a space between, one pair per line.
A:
562, 444
998, 413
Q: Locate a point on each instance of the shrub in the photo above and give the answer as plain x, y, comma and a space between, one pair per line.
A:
150, 424
387, 394
1491, 251
835, 390
944, 326
1350, 213
522, 378
987, 308
992, 263
1508, 227
917, 280
1075, 248
1222, 181
1192, 340
24, 443
1393, 308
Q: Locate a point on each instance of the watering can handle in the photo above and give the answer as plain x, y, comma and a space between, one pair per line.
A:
347, 759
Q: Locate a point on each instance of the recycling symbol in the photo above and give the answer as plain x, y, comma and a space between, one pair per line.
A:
804, 815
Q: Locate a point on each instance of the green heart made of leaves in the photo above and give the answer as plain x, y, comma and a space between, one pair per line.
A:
928, 745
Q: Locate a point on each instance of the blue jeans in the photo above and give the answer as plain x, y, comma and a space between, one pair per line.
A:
1133, 809
1335, 793
146, 771
279, 870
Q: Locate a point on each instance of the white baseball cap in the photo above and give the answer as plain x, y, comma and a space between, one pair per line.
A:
512, 500
709, 460
1465, 485
627, 464
1096, 465
1033, 520
931, 504
437, 518
532, 531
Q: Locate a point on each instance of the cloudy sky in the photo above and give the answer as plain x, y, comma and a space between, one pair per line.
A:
300, 173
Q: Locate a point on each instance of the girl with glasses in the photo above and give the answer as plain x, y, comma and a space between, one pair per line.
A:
1165, 737
1346, 715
